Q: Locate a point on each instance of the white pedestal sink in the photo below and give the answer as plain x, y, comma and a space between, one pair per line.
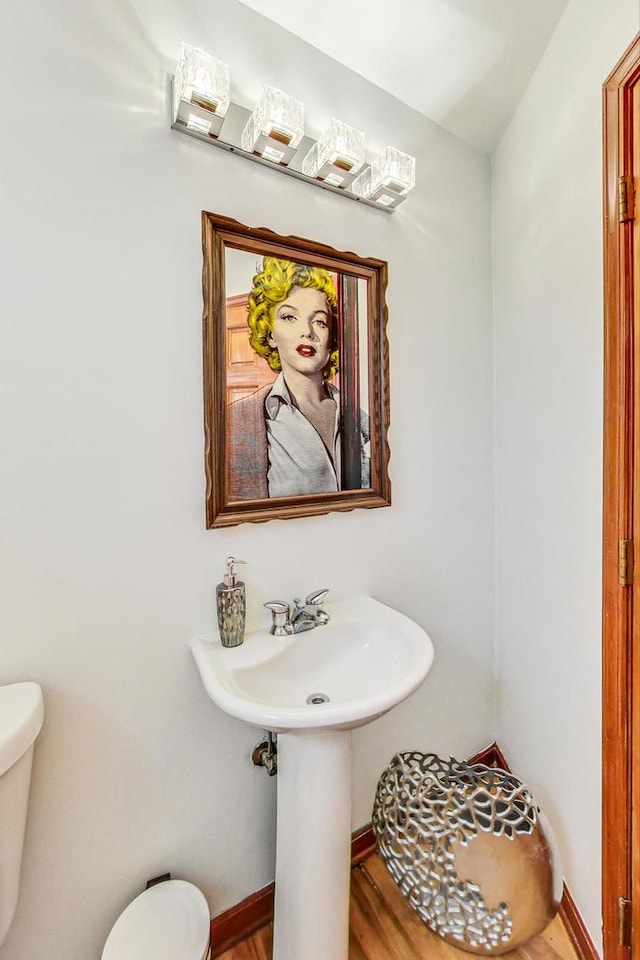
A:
367, 659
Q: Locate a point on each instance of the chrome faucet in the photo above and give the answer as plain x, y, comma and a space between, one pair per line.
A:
300, 615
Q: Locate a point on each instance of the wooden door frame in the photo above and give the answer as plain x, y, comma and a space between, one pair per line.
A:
619, 668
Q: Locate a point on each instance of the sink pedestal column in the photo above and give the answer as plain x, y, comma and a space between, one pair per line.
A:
313, 846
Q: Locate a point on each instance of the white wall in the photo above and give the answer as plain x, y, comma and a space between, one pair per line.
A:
548, 360
107, 570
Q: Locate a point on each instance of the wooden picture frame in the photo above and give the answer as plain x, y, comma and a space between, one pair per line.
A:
285, 435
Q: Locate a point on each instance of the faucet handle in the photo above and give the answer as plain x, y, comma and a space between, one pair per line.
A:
277, 606
279, 615
317, 596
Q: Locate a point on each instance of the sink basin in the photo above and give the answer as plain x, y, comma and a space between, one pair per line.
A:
359, 665
367, 659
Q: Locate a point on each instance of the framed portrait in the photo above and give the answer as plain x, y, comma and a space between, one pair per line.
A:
296, 379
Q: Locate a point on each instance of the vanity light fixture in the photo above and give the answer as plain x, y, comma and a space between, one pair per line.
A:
275, 128
273, 132
200, 91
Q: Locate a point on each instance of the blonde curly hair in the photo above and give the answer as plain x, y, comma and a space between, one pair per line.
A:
271, 285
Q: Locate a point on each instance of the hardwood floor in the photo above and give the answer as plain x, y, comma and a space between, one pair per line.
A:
384, 927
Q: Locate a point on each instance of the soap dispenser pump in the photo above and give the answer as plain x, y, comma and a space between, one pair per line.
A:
231, 602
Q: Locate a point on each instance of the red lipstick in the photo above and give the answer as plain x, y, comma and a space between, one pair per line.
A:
305, 350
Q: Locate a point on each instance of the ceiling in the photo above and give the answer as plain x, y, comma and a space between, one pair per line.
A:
463, 63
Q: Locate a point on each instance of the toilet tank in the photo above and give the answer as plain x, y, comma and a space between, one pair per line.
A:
21, 716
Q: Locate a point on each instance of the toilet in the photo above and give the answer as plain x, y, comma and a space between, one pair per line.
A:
168, 921
21, 716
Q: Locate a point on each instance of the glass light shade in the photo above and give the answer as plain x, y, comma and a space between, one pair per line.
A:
200, 90
275, 128
361, 186
337, 156
389, 179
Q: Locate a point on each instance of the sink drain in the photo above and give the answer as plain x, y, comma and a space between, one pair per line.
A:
314, 698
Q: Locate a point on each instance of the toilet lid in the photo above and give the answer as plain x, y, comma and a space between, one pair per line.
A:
21, 715
169, 921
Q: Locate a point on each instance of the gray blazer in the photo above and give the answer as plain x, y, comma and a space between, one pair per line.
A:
247, 458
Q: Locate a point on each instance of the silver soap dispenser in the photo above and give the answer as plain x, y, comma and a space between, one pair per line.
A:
231, 602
